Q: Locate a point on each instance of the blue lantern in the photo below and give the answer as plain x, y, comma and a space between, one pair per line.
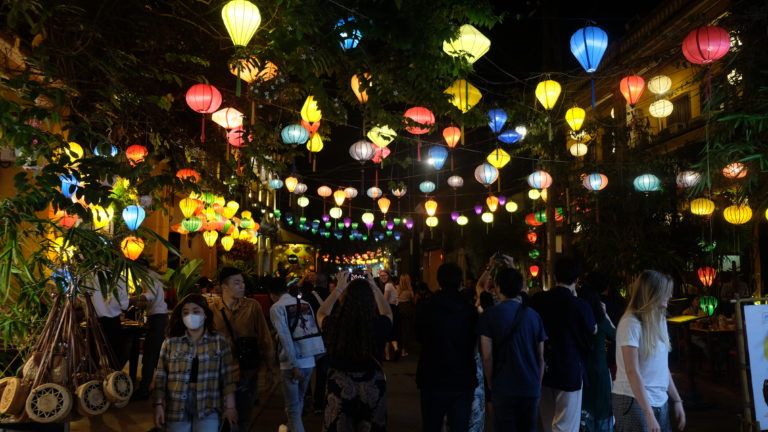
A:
397, 235
69, 184
437, 156
133, 216
427, 187
315, 224
509, 136
350, 36
294, 134
497, 118
338, 234
588, 45
647, 183
275, 183
101, 150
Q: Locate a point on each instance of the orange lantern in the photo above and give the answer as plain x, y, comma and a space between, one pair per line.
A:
532, 237
136, 154
250, 70
707, 276
452, 135
736, 170
188, 174
534, 269
290, 183
384, 204
132, 247
324, 191
362, 96
632, 88
531, 220
493, 203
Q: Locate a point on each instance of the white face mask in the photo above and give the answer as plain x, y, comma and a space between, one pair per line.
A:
193, 321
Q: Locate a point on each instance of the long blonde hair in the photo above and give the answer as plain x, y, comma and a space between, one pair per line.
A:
650, 288
405, 284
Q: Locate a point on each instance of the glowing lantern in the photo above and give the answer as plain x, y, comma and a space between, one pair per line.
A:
242, 19
362, 96
374, 192
69, 184
399, 192
228, 118
632, 87
578, 149
707, 275
339, 196
532, 237
575, 118
421, 116
687, 179
427, 187
315, 144
236, 137
294, 134
588, 45
210, 237
136, 154
737, 214
101, 216
227, 242
462, 220
531, 220
65, 219
324, 191
521, 130
431, 221
735, 170
451, 135
647, 183
350, 36
708, 304
547, 93
205, 99
381, 136
455, 181
132, 247
384, 203
470, 44
275, 183
104, 150
544, 194
379, 154
437, 156
706, 44
302, 201
362, 151
534, 194
188, 175
290, 183
659, 84
231, 209
487, 217
335, 212
661, 108
498, 158
510, 206
492, 202
367, 218
595, 182
309, 111
496, 120
465, 95
431, 207
74, 151
534, 269
350, 192
478, 209
540, 179
133, 216
188, 207
509, 137
702, 206
486, 174
248, 70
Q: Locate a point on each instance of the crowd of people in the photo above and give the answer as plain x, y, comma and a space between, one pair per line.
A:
570, 358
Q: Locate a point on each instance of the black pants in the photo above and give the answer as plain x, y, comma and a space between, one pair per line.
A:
515, 414
436, 405
321, 382
113, 333
153, 341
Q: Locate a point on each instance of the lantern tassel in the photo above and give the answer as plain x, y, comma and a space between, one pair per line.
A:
237, 86
202, 130
462, 134
418, 149
253, 112
593, 93
377, 177
314, 164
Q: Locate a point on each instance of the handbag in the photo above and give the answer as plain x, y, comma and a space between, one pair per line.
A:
246, 348
309, 344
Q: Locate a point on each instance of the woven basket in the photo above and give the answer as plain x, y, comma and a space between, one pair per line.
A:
48, 403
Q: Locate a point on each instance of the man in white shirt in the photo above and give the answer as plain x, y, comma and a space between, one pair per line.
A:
109, 310
152, 299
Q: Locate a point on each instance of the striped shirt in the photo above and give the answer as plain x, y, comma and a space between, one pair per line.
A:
215, 377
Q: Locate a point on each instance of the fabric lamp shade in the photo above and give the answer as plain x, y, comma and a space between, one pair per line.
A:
431, 221
101, 216
188, 175
374, 192
290, 183
188, 207
423, 118
132, 247
335, 212
534, 270
686, 179
462, 220
437, 156
735, 170
575, 117
534, 194
227, 242
595, 182
399, 192
236, 137
350, 192
294, 134
631, 88
324, 191
427, 187
511, 206
430, 206
487, 217
509, 136
588, 45
532, 237
275, 183
547, 93
486, 174
203, 98
339, 196
133, 216
228, 118
367, 218
315, 143
578, 149
361, 95
498, 158
210, 237
362, 151
242, 19
136, 154
661, 108
69, 184
496, 120
381, 136
302, 201
647, 183
470, 44
252, 69
702, 207
455, 181
706, 44
540, 179
737, 214
348, 34
707, 276
192, 224
300, 188
659, 84
492, 202
465, 95
384, 204
309, 111
451, 135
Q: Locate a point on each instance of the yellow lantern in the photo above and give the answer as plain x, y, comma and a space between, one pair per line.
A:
242, 19
498, 158
132, 247
339, 196
702, 207
309, 112
210, 237
431, 207
737, 214
510, 206
209, 213
431, 221
188, 207
290, 183
534, 194
227, 242
335, 212
544, 194
362, 96
487, 217
578, 149
248, 70
547, 93
62, 249
462, 220
74, 151
470, 44
384, 204
101, 216
315, 144
230, 210
661, 108
245, 214
382, 136
367, 218
302, 201
465, 95
493, 203
575, 117
228, 118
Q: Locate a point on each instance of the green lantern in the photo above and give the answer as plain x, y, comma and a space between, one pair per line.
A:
192, 224
708, 304
355, 225
277, 213
365, 237
534, 254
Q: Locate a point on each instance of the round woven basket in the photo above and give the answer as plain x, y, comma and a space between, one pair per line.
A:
48, 403
118, 386
91, 399
14, 394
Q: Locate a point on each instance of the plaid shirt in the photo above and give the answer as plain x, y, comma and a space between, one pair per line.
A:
215, 376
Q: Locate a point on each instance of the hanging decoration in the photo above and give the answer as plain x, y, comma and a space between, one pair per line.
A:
534, 270
661, 108
707, 276
374, 192
291, 182
659, 84
210, 237
702, 206
492, 202
575, 118
302, 201
737, 214
236, 137
487, 217
69, 184
631, 87
706, 44
205, 99
384, 204
687, 179
294, 134
362, 96
509, 136
338, 197
588, 44
101, 216
335, 212
496, 120
647, 183
228, 118
132, 247
136, 154
300, 188
455, 181
735, 170
595, 182
381, 136
486, 174
511, 206
251, 70
470, 44
437, 155
451, 135
578, 149
465, 95
242, 19
188, 174
350, 36
540, 180
498, 158
430, 206
427, 187
133, 216
423, 119
547, 93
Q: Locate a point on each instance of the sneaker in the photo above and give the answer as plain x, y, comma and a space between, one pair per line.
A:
282, 428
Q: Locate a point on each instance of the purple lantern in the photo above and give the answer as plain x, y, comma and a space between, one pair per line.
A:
347, 222
326, 218
454, 216
502, 200
369, 225
390, 225
478, 209
409, 223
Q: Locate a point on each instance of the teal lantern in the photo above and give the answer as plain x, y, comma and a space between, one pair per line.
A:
647, 183
427, 187
294, 134
275, 183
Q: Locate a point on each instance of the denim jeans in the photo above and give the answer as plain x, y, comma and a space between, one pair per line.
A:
209, 423
436, 405
293, 393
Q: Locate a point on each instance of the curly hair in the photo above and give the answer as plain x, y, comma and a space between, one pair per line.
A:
351, 329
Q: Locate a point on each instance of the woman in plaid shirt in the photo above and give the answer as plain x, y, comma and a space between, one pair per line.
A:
194, 379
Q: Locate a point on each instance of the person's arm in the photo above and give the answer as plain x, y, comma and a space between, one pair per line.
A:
280, 323
325, 309
266, 347
486, 351
632, 368
381, 302
677, 403
161, 382
540, 358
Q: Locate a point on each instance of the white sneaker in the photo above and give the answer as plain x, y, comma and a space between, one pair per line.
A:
282, 428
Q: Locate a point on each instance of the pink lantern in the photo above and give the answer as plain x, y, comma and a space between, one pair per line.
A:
422, 116
205, 99
236, 137
380, 154
706, 44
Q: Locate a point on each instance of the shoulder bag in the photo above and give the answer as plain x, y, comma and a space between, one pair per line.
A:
246, 349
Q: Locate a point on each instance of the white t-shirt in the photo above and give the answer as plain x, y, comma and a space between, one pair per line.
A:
654, 369
390, 293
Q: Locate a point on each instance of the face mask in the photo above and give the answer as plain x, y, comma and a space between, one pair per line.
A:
193, 321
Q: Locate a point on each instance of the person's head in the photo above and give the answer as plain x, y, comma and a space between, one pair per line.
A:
449, 277
190, 313
384, 276
509, 282
405, 283
232, 282
650, 295
276, 287
567, 271
591, 294
352, 329
204, 285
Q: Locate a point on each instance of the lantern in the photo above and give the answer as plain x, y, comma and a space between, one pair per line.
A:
578, 149
588, 45
362, 151
702, 207
431, 207
421, 116
647, 183
478, 209
496, 120
661, 108
427, 187
210, 237
69, 184
708, 304
492, 202
707, 275
462, 220
540, 180
339, 196
532, 237
248, 70
188, 175
242, 19
737, 214
431, 221
335, 212
534, 269
521, 130
470, 44
136, 154
659, 84
228, 118
595, 182
133, 216
374, 192
350, 192
102, 149
132, 247
509, 137
437, 156
275, 183
188, 207
381, 136
543, 194
510, 206
350, 36
487, 217
236, 137
687, 179
310, 113
315, 144
706, 44
735, 170
203, 98
632, 87
101, 216
575, 118
65, 219
290, 183
465, 95
300, 188
530, 219
451, 135
324, 191
302, 201
192, 224
486, 174
384, 203
455, 181
294, 134
367, 218
498, 158
547, 93
227, 242
399, 192
362, 96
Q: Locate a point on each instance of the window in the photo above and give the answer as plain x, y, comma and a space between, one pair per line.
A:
681, 112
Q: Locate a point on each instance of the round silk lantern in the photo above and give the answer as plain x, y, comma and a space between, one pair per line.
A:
539, 179
205, 99
188, 175
706, 44
736, 170
702, 207
362, 151
192, 224
69, 185
431, 221
632, 87
595, 182
661, 108
294, 134
242, 19
487, 217
451, 135
687, 179
236, 137
547, 93
423, 118
659, 84
511, 206
302, 201
136, 154
324, 191
647, 183
737, 214
578, 149
455, 181
367, 218
275, 183
486, 174
300, 188
534, 194
335, 212
374, 192
427, 187
399, 192
462, 220
350, 192
470, 44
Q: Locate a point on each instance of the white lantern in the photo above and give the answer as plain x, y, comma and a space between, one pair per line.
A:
578, 149
686, 179
455, 181
540, 180
659, 84
228, 118
351, 192
374, 192
362, 151
300, 189
486, 174
662, 108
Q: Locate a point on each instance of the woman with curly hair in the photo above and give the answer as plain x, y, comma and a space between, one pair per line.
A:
356, 332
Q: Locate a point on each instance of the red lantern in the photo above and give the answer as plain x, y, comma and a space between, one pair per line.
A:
380, 154
236, 137
136, 154
632, 88
707, 276
188, 174
531, 220
422, 116
205, 99
534, 269
452, 134
532, 237
311, 127
706, 44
